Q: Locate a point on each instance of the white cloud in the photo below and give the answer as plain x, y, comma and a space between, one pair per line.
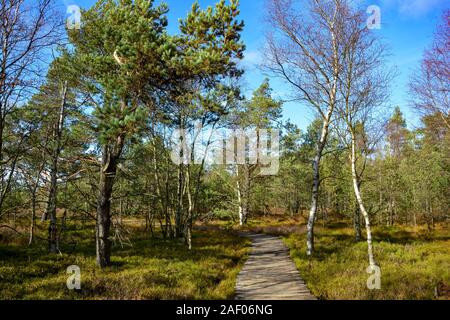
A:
252, 58
413, 8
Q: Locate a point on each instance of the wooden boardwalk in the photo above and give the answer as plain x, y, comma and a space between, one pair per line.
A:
270, 273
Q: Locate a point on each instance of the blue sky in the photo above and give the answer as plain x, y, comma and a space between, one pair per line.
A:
407, 27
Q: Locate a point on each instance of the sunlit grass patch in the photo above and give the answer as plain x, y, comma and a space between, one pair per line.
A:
151, 268
412, 266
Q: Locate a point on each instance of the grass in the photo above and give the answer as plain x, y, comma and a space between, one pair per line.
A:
150, 269
414, 263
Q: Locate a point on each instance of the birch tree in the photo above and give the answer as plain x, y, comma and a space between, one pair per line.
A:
363, 88
305, 49
430, 84
260, 112
28, 29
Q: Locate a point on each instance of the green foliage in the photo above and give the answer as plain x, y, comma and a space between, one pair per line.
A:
261, 110
117, 55
130, 85
211, 39
224, 215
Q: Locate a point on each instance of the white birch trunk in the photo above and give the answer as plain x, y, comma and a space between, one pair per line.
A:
316, 184
355, 179
239, 198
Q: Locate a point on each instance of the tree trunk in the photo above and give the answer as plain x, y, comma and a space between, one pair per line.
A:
316, 184
51, 207
242, 196
2, 168
110, 158
179, 228
34, 199
239, 198
162, 200
103, 247
166, 200
414, 210
179, 210
33, 219
380, 199
188, 232
246, 195
356, 184
357, 223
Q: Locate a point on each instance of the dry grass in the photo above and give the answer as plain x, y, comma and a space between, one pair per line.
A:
415, 263
149, 269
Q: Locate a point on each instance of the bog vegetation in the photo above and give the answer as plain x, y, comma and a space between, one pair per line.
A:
88, 116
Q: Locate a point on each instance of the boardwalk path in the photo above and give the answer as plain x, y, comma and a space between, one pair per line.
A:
270, 273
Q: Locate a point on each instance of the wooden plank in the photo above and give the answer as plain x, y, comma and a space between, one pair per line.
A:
270, 273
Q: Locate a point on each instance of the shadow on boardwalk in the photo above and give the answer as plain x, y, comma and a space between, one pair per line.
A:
270, 273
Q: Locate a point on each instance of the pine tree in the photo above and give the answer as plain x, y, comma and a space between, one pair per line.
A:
118, 54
